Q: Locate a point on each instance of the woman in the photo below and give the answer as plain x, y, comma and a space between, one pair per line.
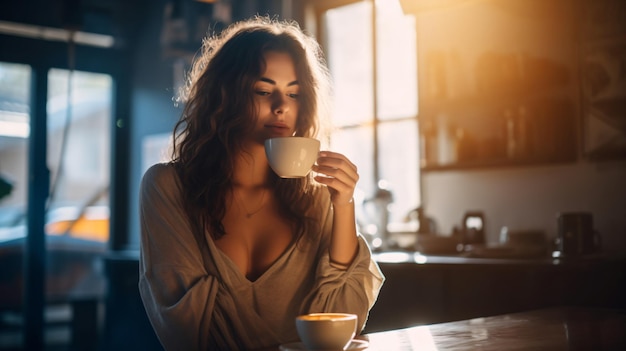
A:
230, 252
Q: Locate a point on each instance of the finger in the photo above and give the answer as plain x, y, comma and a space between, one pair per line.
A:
336, 159
339, 182
349, 176
341, 189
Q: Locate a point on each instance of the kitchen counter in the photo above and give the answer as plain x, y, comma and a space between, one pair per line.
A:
425, 289
419, 258
561, 328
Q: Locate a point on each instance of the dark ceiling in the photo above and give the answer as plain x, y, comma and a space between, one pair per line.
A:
112, 17
122, 19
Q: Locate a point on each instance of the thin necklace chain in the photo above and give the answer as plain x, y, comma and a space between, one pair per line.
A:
249, 214
240, 201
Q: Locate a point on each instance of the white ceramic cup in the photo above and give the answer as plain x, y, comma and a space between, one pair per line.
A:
326, 331
291, 157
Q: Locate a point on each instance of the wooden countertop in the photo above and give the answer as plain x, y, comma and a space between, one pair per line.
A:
424, 289
563, 328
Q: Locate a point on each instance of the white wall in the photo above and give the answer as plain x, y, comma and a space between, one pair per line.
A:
531, 198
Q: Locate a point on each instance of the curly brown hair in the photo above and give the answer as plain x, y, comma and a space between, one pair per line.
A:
219, 110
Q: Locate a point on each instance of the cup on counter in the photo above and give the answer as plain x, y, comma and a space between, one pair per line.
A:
523, 237
291, 157
576, 235
326, 331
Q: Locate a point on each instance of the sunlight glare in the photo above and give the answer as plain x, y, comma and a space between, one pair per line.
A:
415, 338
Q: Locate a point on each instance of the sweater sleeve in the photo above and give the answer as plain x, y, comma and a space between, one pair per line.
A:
177, 292
351, 289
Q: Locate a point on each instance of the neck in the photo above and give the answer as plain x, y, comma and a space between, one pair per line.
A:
251, 168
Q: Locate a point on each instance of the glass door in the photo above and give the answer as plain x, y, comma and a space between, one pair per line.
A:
15, 91
76, 224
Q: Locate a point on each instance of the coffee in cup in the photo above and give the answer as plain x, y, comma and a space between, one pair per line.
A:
291, 157
326, 331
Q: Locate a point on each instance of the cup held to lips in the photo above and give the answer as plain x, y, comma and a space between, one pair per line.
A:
326, 331
291, 157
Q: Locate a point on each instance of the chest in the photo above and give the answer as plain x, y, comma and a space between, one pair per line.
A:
254, 243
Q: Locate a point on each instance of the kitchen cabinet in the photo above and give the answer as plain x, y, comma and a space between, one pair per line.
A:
498, 84
476, 132
435, 289
422, 290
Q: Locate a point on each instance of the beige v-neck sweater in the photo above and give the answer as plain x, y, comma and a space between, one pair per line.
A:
198, 300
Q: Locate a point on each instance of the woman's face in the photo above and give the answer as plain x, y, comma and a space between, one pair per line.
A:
276, 98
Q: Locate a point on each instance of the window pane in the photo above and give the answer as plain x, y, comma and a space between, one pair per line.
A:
80, 169
398, 146
396, 62
358, 145
15, 82
14, 131
349, 41
349, 45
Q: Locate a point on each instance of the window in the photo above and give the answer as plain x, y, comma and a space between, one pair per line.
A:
78, 152
79, 147
14, 131
372, 56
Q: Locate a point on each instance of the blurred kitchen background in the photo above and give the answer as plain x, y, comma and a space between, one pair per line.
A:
475, 125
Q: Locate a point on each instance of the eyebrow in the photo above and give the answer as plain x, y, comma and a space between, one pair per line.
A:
267, 80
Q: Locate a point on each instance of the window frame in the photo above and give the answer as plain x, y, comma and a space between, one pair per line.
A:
42, 56
314, 15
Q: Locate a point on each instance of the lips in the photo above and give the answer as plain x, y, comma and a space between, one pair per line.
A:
278, 129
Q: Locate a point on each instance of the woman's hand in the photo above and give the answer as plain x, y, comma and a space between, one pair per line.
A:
338, 174
340, 177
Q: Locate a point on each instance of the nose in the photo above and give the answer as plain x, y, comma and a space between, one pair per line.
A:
280, 105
